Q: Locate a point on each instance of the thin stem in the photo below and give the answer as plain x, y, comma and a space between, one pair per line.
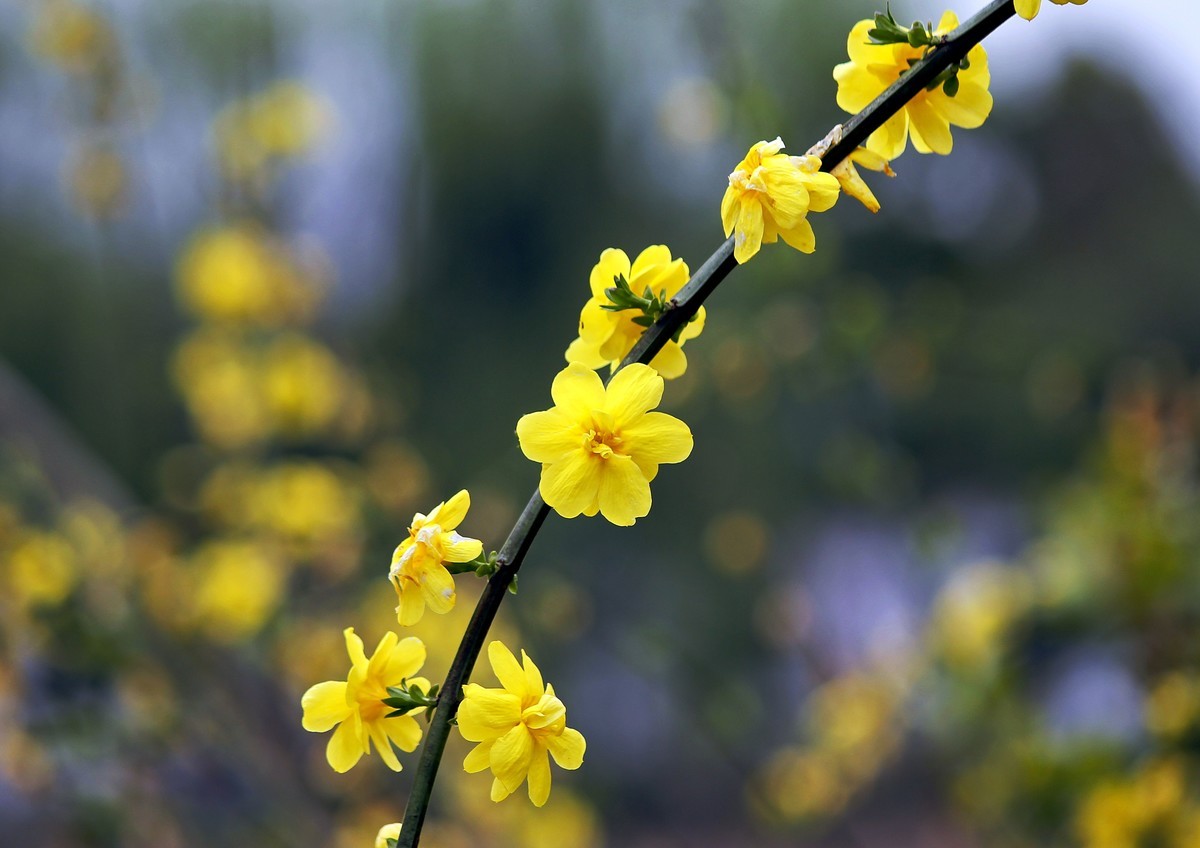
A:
681, 307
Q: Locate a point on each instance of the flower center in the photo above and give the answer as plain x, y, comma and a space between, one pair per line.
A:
370, 700
601, 438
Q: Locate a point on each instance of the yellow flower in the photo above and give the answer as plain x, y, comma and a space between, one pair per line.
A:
770, 194
42, 570
516, 727
388, 831
850, 181
1028, 9
600, 447
357, 707
418, 572
239, 585
606, 337
929, 115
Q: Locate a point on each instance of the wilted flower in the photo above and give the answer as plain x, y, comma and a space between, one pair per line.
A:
770, 195
418, 571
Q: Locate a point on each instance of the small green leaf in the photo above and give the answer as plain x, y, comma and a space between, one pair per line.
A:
951, 86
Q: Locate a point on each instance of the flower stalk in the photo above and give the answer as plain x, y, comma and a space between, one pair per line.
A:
838, 145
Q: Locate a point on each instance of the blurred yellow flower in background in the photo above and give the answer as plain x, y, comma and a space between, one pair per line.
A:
356, 706
237, 273
302, 385
1028, 9
930, 114
41, 569
238, 586
518, 727
770, 195
72, 36
252, 134
600, 447
605, 337
974, 613
418, 570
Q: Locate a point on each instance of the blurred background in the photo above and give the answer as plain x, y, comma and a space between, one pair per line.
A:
277, 275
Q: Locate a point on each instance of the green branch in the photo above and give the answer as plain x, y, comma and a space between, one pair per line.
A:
680, 310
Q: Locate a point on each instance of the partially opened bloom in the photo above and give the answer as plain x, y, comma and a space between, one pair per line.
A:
386, 834
1028, 9
930, 114
770, 195
418, 570
605, 336
517, 727
357, 707
600, 447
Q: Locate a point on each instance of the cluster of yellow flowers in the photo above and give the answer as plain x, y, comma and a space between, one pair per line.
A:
601, 444
78, 40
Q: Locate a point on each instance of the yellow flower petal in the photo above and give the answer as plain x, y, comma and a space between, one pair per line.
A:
624, 491
354, 647
748, 234
613, 262
404, 660
585, 352
511, 755
690, 330
508, 671
379, 737
539, 777
670, 362
381, 654
570, 484
499, 791
632, 392
451, 513
458, 548
823, 191
577, 390
487, 713
567, 749
437, 589
595, 322
801, 237
948, 23
403, 731
388, 831
1027, 9
969, 108
653, 257
655, 438
890, 140
412, 604
853, 184
345, 746
929, 130
479, 759
531, 677
324, 706
548, 436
